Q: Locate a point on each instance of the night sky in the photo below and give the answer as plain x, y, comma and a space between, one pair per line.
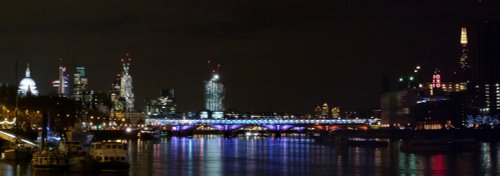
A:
285, 56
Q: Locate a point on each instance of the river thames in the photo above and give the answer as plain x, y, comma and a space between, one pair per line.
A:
291, 155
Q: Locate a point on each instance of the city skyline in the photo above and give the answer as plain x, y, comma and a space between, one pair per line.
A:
286, 57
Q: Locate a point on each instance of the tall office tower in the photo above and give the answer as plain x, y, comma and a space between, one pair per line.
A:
214, 91
80, 83
462, 76
325, 110
117, 105
169, 99
61, 84
464, 64
126, 88
27, 86
214, 94
336, 112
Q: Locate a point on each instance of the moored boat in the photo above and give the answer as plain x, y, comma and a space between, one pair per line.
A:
49, 161
19, 153
71, 148
110, 155
83, 164
149, 133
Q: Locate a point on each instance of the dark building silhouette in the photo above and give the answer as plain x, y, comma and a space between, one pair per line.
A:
489, 53
488, 82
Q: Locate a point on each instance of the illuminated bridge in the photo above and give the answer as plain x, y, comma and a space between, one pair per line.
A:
270, 124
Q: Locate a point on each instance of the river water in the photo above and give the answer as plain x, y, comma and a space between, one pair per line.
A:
292, 155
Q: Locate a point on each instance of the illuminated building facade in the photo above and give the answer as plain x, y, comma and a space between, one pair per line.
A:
489, 73
122, 95
214, 94
162, 106
80, 84
126, 88
336, 112
117, 103
325, 110
464, 64
27, 86
489, 96
61, 84
450, 103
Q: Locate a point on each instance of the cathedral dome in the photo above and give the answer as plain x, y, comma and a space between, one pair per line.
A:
27, 86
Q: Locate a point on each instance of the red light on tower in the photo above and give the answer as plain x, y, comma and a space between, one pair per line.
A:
214, 67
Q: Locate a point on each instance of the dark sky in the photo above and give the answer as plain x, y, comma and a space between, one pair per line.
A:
276, 55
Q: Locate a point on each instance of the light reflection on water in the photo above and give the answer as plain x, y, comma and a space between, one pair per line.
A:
215, 155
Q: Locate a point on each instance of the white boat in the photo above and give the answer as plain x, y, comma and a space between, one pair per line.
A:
110, 155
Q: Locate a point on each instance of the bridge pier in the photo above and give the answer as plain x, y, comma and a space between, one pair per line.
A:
277, 133
184, 133
229, 133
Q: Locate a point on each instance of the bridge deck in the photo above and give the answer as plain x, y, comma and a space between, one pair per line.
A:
259, 121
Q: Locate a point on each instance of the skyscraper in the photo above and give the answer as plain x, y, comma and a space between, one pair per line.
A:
214, 91
336, 112
214, 94
464, 63
79, 84
126, 88
325, 110
61, 83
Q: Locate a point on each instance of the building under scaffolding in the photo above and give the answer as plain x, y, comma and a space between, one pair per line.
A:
214, 94
126, 85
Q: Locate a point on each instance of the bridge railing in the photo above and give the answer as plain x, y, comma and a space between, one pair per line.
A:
260, 121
